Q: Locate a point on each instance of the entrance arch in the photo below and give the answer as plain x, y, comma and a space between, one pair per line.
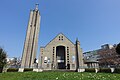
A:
60, 57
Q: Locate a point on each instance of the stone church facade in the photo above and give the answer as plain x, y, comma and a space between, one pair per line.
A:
61, 53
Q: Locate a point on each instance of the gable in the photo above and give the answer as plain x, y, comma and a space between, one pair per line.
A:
60, 39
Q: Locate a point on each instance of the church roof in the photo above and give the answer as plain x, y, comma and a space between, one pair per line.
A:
59, 35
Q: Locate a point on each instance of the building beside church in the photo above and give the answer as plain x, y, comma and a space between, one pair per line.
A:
91, 59
106, 56
61, 53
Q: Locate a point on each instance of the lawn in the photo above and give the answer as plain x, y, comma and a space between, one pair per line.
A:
58, 76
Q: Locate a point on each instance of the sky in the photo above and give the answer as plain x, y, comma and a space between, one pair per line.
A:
93, 22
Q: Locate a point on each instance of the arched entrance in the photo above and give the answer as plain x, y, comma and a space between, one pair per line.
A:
60, 57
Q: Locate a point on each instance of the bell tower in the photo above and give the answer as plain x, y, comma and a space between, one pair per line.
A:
79, 55
31, 40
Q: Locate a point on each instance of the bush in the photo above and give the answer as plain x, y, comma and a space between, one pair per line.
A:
12, 70
117, 70
90, 70
28, 69
2, 59
1, 68
106, 70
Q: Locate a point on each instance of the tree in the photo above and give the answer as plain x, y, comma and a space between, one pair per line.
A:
109, 57
118, 49
2, 59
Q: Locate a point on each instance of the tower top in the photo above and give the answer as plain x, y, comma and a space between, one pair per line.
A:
36, 8
77, 41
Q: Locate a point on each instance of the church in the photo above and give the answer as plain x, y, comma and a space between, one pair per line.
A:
59, 53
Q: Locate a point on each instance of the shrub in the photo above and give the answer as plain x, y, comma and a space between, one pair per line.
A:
117, 70
90, 70
28, 69
12, 70
1, 68
2, 59
106, 70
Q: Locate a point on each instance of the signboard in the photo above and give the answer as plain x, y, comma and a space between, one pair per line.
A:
73, 59
45, 60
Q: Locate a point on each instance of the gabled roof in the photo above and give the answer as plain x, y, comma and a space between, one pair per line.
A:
57, 36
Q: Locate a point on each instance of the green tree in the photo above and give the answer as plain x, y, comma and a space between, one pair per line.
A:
2, 59
118, 49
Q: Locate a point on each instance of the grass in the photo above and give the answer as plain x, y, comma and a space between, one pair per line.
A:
58, 76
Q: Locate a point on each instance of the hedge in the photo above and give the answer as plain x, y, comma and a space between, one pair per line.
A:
90, 70
28, 69
106, 70
117, 70
1, 68
12, 70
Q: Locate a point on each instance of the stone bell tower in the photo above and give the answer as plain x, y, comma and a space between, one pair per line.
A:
31, 40
79, 55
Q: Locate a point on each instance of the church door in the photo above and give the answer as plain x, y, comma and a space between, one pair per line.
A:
60, 57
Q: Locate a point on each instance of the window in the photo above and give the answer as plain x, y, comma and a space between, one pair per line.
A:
67, 54
67, 61
53, 49
60, 37
68, 58
67, 49
53, 54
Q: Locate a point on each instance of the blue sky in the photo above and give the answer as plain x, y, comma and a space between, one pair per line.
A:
94, 22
